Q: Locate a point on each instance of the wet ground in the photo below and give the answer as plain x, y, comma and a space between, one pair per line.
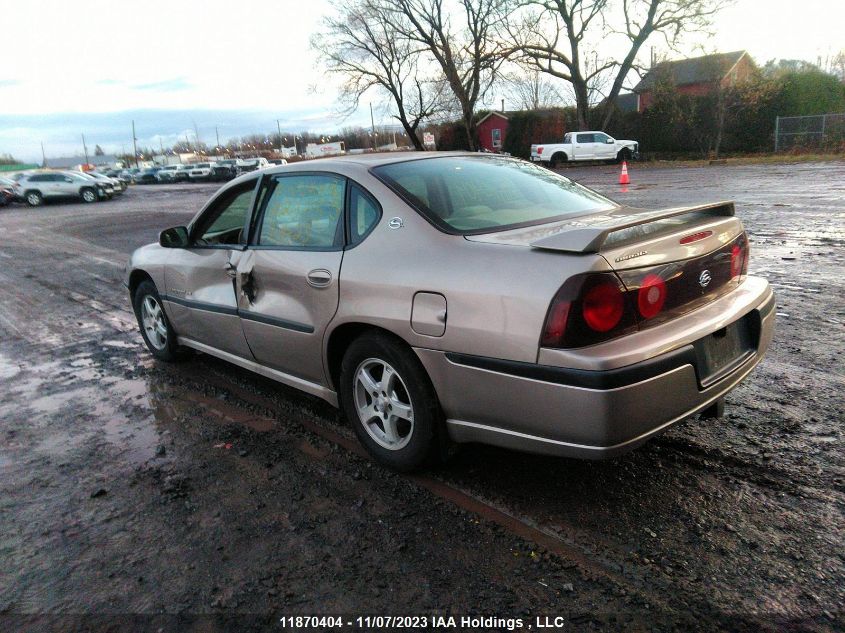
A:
134, 487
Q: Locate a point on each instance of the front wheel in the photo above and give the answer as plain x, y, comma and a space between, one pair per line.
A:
390, 401
155, 326
88, 195
34, 198
624, 155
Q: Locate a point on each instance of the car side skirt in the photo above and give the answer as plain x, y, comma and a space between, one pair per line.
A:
286, 379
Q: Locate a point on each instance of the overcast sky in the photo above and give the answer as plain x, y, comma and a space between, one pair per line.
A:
93, 65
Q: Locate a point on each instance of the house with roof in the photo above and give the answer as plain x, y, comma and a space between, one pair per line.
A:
696, 76
492, 128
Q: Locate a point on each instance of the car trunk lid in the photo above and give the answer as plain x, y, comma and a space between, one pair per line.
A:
670, 261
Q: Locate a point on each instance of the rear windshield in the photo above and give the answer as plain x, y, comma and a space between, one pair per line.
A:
478, 194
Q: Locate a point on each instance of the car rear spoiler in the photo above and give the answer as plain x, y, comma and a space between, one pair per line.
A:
590, 238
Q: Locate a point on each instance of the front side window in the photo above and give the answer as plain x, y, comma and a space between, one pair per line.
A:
476, 194
223, 222
303, 211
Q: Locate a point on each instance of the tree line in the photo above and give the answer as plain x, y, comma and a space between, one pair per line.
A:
435, 60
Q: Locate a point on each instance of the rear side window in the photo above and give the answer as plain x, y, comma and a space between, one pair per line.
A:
364, 213
586, 138
304, 212
480, 194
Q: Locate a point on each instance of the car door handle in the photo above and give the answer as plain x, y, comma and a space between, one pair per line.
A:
319, 278
231, 269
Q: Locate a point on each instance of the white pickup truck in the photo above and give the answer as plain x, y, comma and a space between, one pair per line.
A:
584, 146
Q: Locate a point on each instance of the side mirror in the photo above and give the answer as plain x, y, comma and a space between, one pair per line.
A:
68, 179
175, 237
610, 141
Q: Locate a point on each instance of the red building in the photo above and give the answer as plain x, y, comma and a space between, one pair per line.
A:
491, 130
696, 76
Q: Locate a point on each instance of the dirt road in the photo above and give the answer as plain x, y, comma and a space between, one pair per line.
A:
134, 487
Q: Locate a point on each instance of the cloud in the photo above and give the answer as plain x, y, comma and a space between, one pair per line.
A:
5, 83
109, 82
168, 85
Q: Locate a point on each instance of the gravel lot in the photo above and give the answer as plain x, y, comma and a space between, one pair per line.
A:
133, 487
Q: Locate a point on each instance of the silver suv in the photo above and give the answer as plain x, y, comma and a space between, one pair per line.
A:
36, 187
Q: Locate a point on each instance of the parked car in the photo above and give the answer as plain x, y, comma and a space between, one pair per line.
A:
167, 174
224, 170
463, 297
106, 188
251, 164
120, 174
277, 161
117, 184
147, 176
585, 146
7, 191
36, 187
201, 171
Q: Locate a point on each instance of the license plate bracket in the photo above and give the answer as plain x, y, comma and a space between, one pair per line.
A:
719, 353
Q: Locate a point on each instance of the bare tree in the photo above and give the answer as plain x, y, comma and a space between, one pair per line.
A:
361, 45
469, 56
556, 37
531, 90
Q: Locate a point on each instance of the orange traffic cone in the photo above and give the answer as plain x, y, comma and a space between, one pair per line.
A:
623, 177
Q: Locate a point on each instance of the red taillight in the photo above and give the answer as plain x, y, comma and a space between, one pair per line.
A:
602, 307
739, 257
556, 323
651, 296
588, 309
540, 150
695, 237
736, 261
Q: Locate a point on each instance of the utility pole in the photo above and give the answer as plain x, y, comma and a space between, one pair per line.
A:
196, 134
85, 149
372, 125
217, 135
134, 145
43, 156
281, 145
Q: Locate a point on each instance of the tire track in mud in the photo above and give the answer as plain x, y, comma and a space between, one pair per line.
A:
650, 584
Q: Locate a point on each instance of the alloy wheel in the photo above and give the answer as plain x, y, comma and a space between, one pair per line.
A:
383, 404
152, 318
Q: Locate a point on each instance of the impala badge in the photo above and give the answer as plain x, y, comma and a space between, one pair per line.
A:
704, 278
628, 256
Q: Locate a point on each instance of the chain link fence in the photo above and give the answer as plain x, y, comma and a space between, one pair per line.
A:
820, 131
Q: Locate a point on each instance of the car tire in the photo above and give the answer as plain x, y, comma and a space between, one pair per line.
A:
33, 198
557, 159
624, 155
397, 422
88, 195
149, 311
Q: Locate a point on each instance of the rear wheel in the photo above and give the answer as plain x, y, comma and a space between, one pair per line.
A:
390, 401
153, 322
34, 198
88, 195
557, 159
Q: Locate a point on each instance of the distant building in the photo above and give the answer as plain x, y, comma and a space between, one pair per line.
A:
491, 130
695, 76
106, 161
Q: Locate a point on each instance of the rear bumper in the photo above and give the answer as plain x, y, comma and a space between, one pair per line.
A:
581, 413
